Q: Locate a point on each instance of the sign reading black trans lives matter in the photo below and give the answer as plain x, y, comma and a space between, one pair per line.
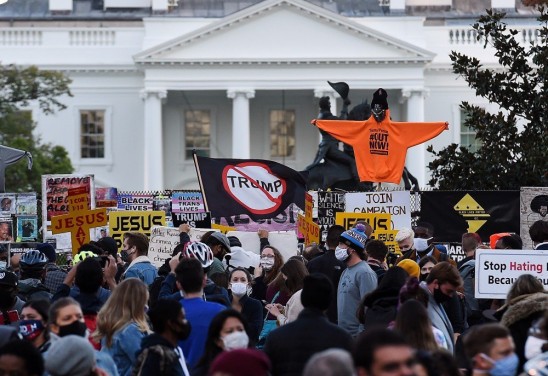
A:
498, 269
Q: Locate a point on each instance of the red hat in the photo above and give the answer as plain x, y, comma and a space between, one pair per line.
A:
241, 362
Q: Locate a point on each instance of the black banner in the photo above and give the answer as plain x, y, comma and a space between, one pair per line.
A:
329, 204
453, 213
196, 220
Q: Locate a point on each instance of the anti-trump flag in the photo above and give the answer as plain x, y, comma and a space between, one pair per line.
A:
259, 188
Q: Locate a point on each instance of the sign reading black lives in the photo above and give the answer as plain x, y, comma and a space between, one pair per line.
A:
196, 220
453, 213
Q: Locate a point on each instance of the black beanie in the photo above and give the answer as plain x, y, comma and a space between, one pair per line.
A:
379, 97
317, 291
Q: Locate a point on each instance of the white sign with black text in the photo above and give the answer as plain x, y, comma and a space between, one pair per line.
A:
497, 270
397, 204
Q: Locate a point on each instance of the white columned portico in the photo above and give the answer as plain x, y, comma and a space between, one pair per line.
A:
241, 144
153, 148
416, 156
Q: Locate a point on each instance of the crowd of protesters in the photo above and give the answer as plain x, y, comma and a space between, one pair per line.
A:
346, 307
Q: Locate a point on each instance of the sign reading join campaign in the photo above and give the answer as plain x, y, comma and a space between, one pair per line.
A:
397, 204
497, 270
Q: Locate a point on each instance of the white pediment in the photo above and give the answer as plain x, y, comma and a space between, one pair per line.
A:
283, 31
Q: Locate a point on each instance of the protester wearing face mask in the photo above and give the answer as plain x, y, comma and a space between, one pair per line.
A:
441, 285
10, 304
159, 352
135, 252
491, 350
421, 245
33, 326
66, 318
269, 267
251, 309
227, 331
356, 281
426, 264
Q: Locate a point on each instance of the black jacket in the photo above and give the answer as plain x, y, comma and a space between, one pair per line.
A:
328, 265
252, 310
290, 346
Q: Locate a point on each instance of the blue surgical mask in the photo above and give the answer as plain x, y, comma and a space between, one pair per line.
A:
507, 366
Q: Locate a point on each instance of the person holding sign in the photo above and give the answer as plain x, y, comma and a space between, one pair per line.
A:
135, 252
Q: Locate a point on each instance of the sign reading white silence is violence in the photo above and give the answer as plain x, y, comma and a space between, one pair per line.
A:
497, 270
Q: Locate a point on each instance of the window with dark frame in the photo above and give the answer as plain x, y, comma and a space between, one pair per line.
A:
282, 133
197, 133
92, 134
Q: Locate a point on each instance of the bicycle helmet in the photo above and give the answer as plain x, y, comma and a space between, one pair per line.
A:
200, 252
82, 256
33, 259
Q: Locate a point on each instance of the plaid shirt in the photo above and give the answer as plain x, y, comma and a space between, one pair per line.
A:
54, 277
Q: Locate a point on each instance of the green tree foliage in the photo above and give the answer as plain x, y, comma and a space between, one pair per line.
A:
18, 88
510, 156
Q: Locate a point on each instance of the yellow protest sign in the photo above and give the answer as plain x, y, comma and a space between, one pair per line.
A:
124, 221
223, 229
80, 218
389, 238
378, 221
309, 229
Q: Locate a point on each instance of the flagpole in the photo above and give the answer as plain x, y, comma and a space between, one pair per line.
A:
195, 157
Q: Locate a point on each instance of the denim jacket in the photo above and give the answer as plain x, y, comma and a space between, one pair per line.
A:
125, 344
143, 270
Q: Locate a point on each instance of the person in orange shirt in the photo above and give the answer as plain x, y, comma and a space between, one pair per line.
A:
380, 144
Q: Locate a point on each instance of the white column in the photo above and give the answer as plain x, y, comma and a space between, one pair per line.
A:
241, 144
153, 148
416, 156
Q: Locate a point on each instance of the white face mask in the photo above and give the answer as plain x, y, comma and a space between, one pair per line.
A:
341, 254
235, 340
238, 288
533, 346
420, 244
267, 263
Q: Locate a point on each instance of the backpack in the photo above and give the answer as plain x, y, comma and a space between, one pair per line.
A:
167, 358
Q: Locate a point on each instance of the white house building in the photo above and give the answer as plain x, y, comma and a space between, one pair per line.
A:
154, 79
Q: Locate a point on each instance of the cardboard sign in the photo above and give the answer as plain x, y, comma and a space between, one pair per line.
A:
138, 201
308, 205
397, 204
285, 241
309, 229
163, 241
199, 220
79, 223
497, 270
389, 238
121, 222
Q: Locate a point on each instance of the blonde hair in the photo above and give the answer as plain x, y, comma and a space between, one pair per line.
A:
126, 305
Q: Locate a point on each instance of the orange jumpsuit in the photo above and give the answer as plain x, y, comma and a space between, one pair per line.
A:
380, 148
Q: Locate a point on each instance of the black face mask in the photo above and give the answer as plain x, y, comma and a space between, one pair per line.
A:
423, 277
77, 328
7, 299
124, 255
440, 297
182, 331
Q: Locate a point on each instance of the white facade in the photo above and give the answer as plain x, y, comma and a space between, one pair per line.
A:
277, 54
